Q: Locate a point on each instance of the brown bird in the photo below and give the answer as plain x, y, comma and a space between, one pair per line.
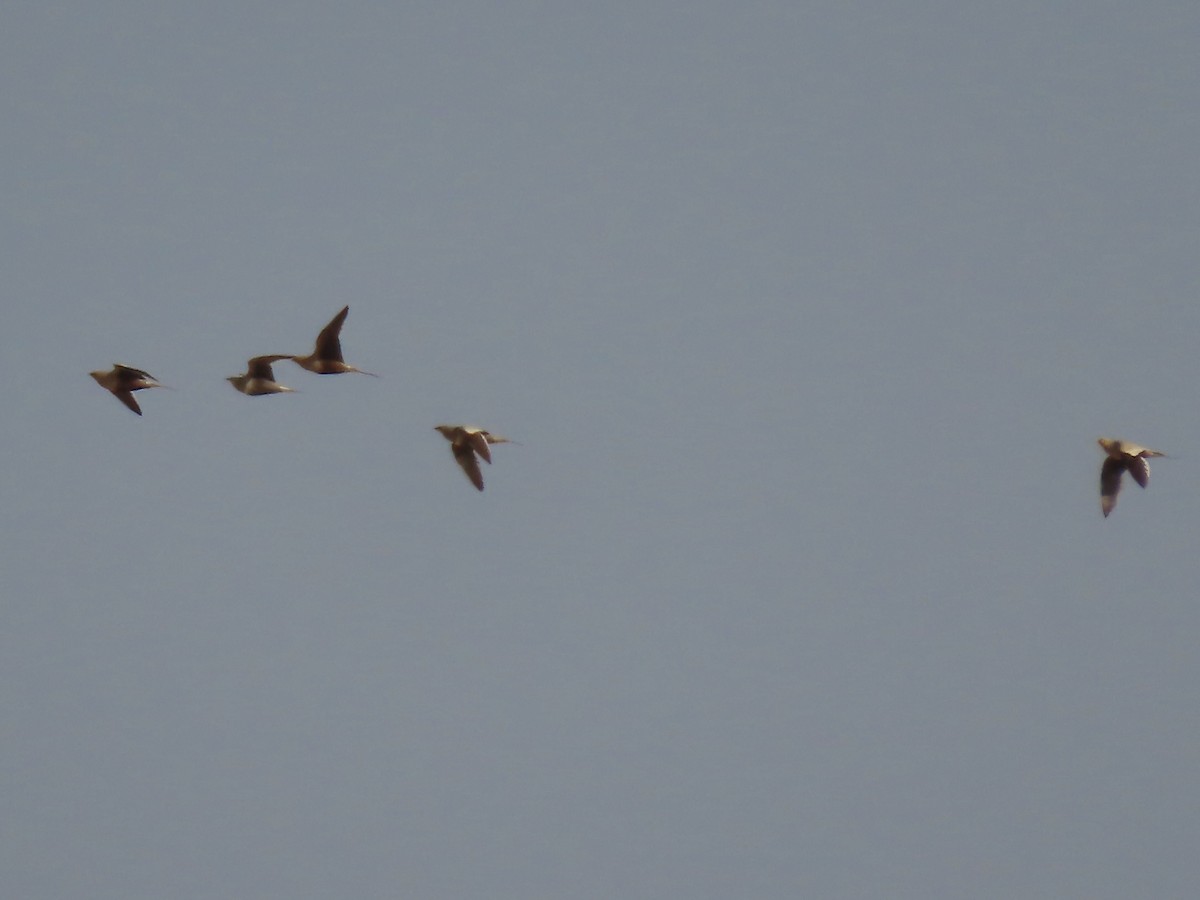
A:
122, 381
259, 378
1122, 457
468, 442
326, 358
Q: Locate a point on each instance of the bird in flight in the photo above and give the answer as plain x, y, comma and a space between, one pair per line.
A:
259, 379
326, 358
1122, 457
470, 444
121, 381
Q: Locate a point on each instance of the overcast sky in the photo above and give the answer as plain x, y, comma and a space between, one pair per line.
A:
806, 317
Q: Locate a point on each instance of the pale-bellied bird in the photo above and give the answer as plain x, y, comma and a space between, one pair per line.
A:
326, 358
1122, 457
469, 444
122, 381
259, 378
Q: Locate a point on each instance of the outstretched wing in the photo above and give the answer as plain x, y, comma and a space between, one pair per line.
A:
1139, 469
260, 366
1110, 483
129, 400
129, 373
477, 440
465, 457
329, 346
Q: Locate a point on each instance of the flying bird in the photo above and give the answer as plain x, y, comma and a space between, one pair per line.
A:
469, 445
326, 358
259, 379
1122, 457
121, 381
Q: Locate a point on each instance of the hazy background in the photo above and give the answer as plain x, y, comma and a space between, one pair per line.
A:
807, 317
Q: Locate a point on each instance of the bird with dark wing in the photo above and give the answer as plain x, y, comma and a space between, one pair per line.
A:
326, 358
470, 444
1122, 457
121, 381
259, 378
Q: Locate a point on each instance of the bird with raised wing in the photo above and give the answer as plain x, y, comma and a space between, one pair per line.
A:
326, 358
121, 381
470, 444
1122, 457
259, 378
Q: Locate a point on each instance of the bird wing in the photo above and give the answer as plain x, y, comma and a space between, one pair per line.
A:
465, 457
1132, 449
127, 374
1139, 469
260, 366
129, 400
478, 442
1110, 483
328, 344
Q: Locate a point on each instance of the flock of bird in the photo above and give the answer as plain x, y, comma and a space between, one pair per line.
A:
468, 443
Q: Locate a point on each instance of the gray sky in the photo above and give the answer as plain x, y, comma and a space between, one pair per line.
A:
806, 316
